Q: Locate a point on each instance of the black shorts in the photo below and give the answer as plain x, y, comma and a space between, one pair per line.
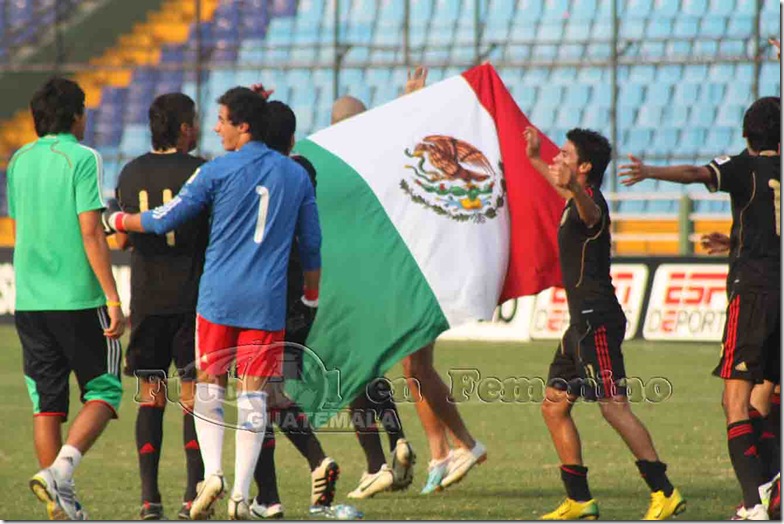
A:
54, 343
751, 346
588, 362
157, 341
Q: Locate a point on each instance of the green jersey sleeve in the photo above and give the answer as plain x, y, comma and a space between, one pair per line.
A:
87, 183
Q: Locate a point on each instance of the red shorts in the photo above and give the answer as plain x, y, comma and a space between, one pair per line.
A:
258, 353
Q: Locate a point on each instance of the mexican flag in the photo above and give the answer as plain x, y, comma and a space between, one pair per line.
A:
431, 216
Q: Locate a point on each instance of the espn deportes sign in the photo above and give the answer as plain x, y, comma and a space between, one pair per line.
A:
551, 312
687, 302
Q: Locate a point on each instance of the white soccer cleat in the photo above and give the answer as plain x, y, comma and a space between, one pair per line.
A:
238, 508
461, 463
758, 512
403, 460
370, 484
323, 480
208, 492
263, 512
59, 497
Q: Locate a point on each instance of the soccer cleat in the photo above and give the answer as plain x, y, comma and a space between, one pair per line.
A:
238, 508
185, 511
151, 511
756, 513
372, 483
774, 506
461, 463
263, 511
403, 460
436, 472
663, 507
323, 480
571, 509
59, 497
208, 492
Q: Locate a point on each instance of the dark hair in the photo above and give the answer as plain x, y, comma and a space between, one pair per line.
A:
281, 126
594, 148
246, 107
167, 114
56, 105
762, 124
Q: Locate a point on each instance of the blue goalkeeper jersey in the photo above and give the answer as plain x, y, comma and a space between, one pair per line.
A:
259, 200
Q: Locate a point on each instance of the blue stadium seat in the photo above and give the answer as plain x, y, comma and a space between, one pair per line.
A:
563, 76
596, 118
555, 9
583, 10
590, 75
665, 140
649, 116
577, 95
658, 28
630, 95
665, 9
692, 140
730, 115
675, 115
657, 94
524, 95
568, 117
740, 26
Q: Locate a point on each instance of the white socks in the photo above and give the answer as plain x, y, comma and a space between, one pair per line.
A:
251, 422
66, 461
208, 419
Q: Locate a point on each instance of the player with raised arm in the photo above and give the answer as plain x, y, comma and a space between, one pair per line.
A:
165, 272
258, 201
751, 347
68, 313
588, 362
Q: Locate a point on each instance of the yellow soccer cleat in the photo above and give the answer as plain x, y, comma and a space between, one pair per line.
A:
663, 507
570, 509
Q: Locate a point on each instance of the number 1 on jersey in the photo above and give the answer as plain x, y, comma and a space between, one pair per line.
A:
775, 185
261, 221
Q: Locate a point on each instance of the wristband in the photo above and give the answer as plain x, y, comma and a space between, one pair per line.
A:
110, 303
310, 303
116, 220
311, 294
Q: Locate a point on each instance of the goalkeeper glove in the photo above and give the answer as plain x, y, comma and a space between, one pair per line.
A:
111, 218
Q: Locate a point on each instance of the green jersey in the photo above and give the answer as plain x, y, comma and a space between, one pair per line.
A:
50, 182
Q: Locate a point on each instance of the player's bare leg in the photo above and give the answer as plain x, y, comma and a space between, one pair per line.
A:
48, 438
436, 393
436, 433
618, 413
761, 397
557, 414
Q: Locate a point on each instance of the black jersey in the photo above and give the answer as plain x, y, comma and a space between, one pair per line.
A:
295, 274
753, 183
585, 261
165, 270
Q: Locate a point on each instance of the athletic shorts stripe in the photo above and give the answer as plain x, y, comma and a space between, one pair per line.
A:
605, 364
731, 337
113, 348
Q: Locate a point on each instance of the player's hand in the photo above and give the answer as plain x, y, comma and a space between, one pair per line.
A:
112, 207
562, 176
633, 173
777, 44
416, 79
715, 243
532, 142
116, 322
259, 89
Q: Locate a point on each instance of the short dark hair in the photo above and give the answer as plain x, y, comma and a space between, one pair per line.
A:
167, 114
762, 124
56, 105
591, 147
281, 126
246, 107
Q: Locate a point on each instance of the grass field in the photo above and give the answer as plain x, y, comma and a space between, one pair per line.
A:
520, 480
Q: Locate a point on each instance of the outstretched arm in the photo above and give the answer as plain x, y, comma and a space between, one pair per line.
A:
684, 174
715, 243
192, 199
532, 148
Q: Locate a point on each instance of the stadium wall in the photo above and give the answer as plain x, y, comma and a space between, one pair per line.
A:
665, 299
